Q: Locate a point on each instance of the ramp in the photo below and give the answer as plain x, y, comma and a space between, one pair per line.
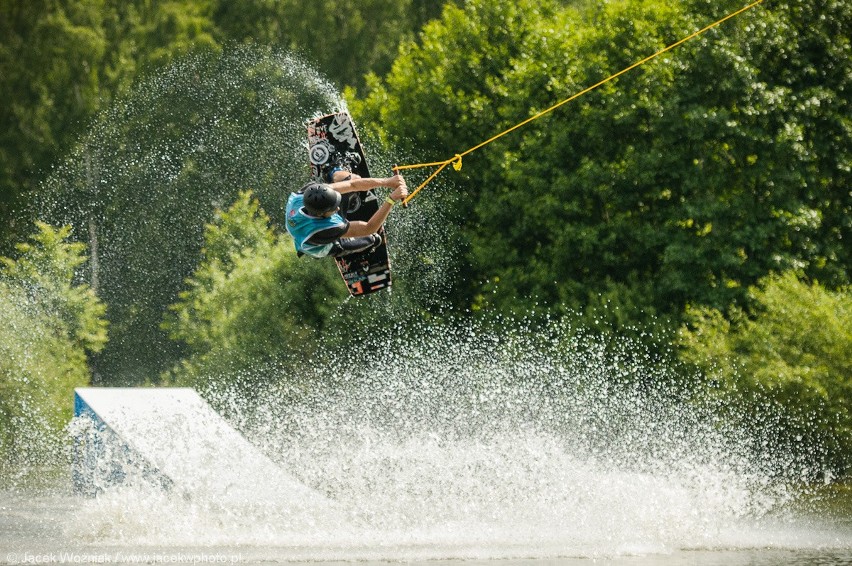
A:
171, 437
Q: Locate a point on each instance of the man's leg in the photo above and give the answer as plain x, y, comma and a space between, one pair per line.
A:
347, 246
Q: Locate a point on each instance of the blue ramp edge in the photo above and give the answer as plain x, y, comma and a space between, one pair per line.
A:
171, 438
82, 409
100, 458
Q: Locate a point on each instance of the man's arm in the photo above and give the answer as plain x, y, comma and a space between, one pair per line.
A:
357, 183
359, 228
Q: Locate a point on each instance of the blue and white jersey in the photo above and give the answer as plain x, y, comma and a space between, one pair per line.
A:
302, 226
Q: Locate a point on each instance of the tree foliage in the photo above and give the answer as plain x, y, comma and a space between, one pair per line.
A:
154, 167
684, 181
60, 62
48, 325
344, 39
47, 268
794, 350
251, 302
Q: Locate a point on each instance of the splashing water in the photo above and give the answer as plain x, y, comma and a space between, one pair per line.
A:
478, 443
154, 167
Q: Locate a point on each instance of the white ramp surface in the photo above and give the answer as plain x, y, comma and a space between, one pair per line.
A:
179, 435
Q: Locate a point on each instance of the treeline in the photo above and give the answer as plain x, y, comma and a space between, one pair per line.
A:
683, 182
64, 61
49, 325
704, 195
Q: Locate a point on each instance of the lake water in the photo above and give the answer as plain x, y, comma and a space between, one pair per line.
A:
133, 526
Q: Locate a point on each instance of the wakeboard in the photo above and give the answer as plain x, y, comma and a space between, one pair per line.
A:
333, 145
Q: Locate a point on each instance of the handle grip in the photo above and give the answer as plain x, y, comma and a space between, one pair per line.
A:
396, 172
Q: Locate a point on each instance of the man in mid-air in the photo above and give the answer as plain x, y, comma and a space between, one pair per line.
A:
318, 228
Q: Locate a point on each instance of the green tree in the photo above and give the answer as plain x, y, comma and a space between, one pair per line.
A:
49, 54
683, 181
667, 186
251, 303
60, 62
453, 87
800, 51
48, 326
344, 39
794, 350
47, 267
451, 84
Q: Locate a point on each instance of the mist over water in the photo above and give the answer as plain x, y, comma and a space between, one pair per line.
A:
483, 443
431, 440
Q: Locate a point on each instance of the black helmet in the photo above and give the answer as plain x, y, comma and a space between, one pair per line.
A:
320, 199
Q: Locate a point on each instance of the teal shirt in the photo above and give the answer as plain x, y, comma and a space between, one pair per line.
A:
302, 226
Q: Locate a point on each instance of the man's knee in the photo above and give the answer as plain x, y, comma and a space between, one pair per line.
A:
347, 246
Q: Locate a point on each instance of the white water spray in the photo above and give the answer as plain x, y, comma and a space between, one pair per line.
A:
476, 443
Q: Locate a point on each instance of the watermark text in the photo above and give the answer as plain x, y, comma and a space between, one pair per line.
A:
122, 558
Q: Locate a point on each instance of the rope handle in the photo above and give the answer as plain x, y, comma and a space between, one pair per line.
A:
395, 169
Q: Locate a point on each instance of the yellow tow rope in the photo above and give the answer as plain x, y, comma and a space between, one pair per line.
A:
456, 160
